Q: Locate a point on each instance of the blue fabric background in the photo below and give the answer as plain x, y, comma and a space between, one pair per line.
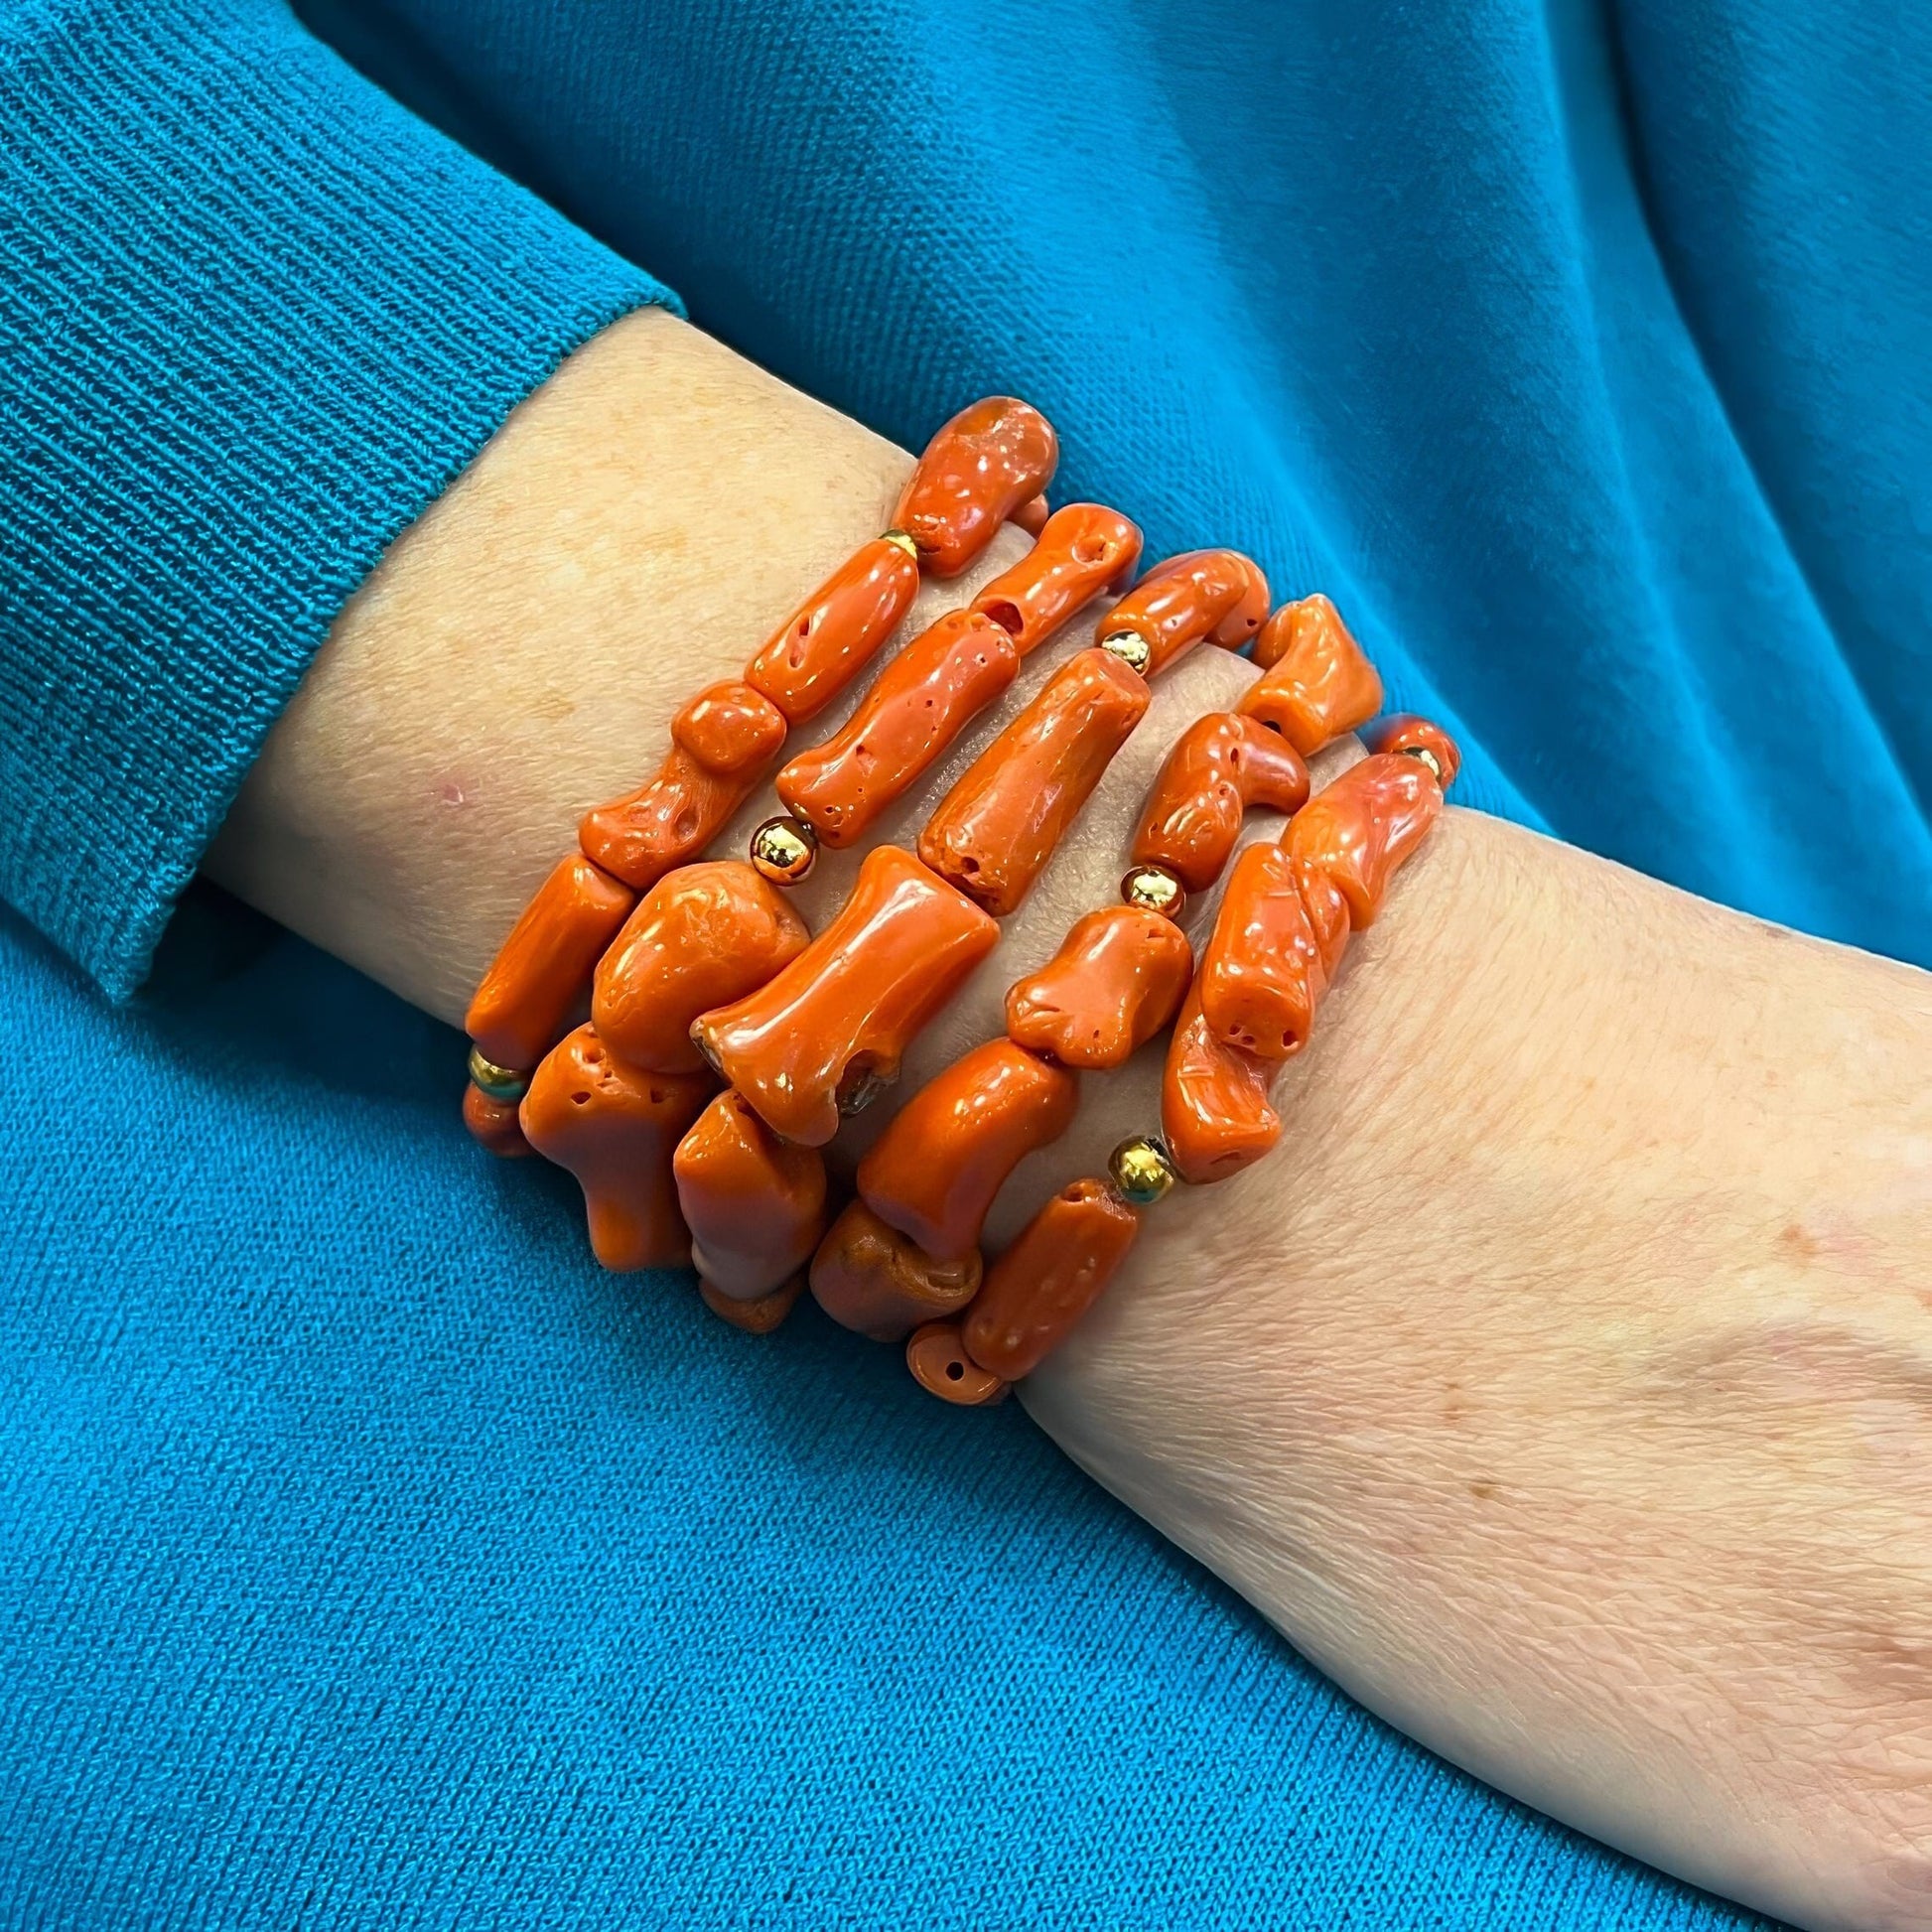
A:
370, 1560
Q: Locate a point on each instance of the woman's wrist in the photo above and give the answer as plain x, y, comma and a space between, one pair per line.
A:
519, 655
628, 537
1443, 1380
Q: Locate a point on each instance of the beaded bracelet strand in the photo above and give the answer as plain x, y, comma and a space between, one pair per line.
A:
988, 462
713, 976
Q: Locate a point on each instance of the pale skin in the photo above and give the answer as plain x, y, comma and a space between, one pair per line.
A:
1562, 1385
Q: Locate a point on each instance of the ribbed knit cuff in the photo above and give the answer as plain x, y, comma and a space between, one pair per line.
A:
253, 317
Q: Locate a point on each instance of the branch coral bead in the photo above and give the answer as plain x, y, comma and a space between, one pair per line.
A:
880, 1284
705, 935
994, 455
1118, 979
1316, 684
1262, 972
1214, 596
667, 823
754, 1205
755, 1317
493, 1124
526, 999
938, 1357
1036, 1292
1083, 551
830, 1029
1221, 766
831, 637
934, 1172
614, 1128
731, 728
1360, 831
920, 703
1216, 1117
1419, 738
995, 831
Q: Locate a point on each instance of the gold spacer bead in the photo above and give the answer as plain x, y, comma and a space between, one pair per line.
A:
785, 850
500, 1082
903, 541
1154, 889
1142, 1169
1424, 755
1132, 651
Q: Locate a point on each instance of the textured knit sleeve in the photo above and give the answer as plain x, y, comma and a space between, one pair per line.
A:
253, 317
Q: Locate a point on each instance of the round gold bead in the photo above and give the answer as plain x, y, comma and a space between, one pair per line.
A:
500, 1082
783, 850
1424, 755
903, 541
1132, 651
1142, 1169
1154, 889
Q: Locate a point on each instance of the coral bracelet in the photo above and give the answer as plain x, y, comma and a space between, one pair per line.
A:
725, 1042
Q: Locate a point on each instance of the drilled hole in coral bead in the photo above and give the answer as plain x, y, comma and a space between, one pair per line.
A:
1090, 551
862, 1082
955, 1371
1005, 615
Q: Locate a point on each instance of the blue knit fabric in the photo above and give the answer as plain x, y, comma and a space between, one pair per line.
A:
371, 1560
253, 317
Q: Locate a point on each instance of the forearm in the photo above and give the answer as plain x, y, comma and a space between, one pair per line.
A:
1562, 1383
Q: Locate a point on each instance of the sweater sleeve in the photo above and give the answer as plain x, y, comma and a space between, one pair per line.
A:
253, 317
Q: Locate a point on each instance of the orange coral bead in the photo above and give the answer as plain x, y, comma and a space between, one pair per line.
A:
755, 1317
703, 936
667, 823
531, 991
1327, 913
918, 705
755, 1206
994, 456
732, 729
1317, 682
936, 1355
1405, 732
494, 1123
935, 1171
1262, 972
1215, 1115
614, 1126
1082, 552
1220, 765
832, 1027
1031, 516
1217, 595
1361, 830
995, 829
830, 638
1038, 1291
1119, 977
876, 1281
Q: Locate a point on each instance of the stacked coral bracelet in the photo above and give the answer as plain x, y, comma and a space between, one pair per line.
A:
725, 1042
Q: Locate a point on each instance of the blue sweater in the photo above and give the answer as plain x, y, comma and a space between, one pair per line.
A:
370, 1560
